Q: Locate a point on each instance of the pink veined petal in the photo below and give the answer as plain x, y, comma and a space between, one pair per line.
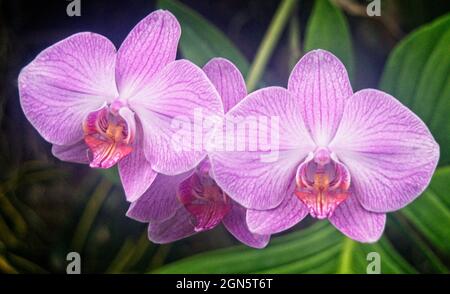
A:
321, 83
389, 151
65, 82
177, 227
136, 173
260, 177
286, 215
148, 48
77, 152
172, 108
236, 224
357, 223
160, 201
228, 81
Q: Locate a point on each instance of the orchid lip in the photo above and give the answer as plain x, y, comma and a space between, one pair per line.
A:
322, 183
108, 136
203, 199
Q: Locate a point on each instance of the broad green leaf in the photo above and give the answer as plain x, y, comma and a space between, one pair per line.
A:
430, 213
240, 259
318, 249
422, 253
327, 28
201, 40
418, 74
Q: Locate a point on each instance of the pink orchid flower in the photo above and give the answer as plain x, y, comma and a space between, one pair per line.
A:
103, 106
348, 157
182, 205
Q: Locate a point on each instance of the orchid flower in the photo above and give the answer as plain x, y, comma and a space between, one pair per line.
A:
100, 106
182, 205
348, 157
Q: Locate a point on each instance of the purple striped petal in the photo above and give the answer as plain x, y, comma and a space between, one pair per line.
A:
160, 201
175, 228
65, 82
389, 151
357, 223
148, 48
136, 173
228, 81
174, 105
290, 212
321, 83
261, 179
77, 152
236, 224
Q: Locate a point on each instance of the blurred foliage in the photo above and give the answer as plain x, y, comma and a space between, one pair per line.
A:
49, 208
418, 74
328, 29
317, 249
200, 40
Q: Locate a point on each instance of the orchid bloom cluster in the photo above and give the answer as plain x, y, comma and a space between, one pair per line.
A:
344, 156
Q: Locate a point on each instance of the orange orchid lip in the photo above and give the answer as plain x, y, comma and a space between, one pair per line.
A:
322, 184
108, 137
203, 199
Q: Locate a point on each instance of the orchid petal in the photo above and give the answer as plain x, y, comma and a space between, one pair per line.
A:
261, 179
236, 224
148, 48
290, 212
177, 101
357, 223
389, 151
135, 171
175, 228
228, 81
65, 82
160, 201
77, 152
321, 83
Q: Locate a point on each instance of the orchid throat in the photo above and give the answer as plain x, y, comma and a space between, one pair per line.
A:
203, 198
322, 183
108, 134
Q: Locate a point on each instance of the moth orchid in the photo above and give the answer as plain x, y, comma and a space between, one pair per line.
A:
179, 206
347, 157
103, 106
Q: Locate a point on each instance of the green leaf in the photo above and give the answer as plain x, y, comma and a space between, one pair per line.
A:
319, 249
422, 253
430, 213
201, 40
327, 28
418, 74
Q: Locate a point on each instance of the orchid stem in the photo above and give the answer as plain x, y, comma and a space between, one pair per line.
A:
345, 262
294, 42
268, 43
